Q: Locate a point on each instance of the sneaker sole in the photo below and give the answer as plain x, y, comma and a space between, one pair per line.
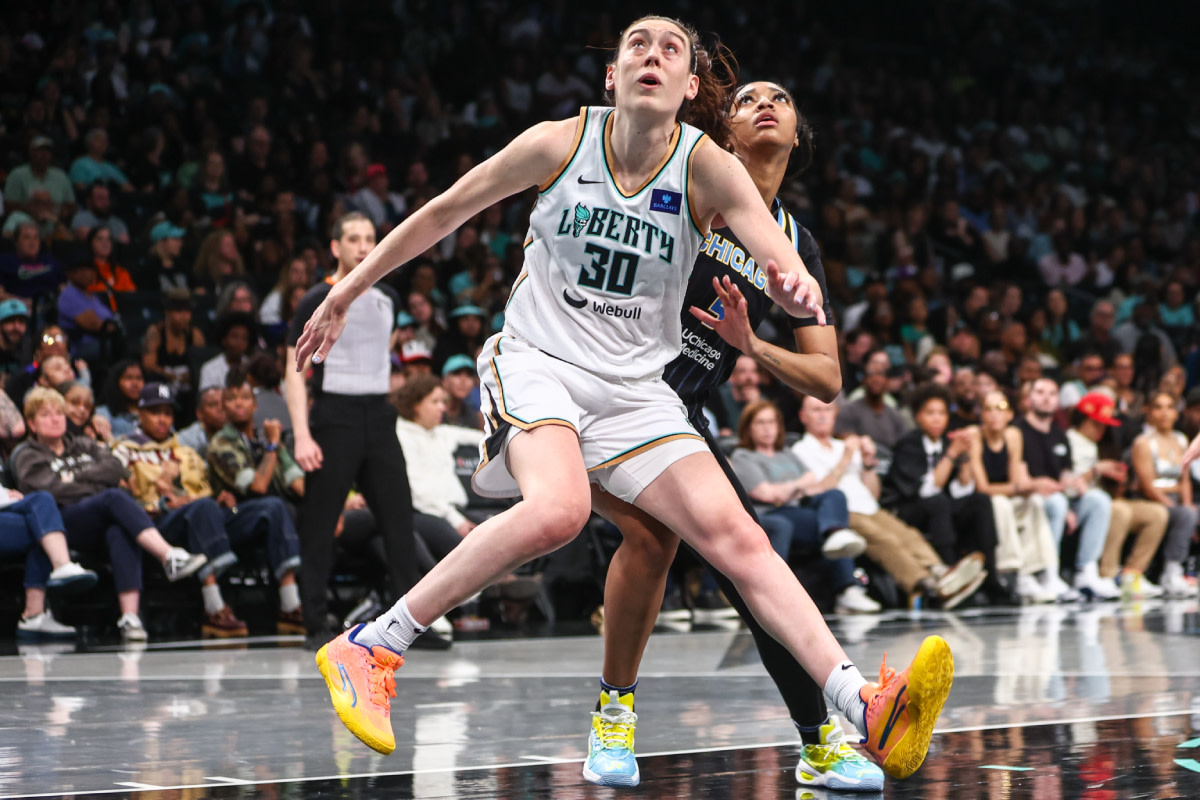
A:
625, 781
851, 550
345, 714
954, 600
73, 584
960, 576
929, 680
834, 781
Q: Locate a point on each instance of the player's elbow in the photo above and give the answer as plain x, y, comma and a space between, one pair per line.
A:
830, 386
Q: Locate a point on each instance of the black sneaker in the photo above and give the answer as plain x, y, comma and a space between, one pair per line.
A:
674, 615
431, 640
711, 608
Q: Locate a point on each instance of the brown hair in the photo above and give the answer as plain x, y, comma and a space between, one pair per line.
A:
412, 393
748, 415
210, 251
709, 109
335, 234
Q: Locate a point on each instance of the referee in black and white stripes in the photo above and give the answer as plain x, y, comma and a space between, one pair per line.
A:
348, 437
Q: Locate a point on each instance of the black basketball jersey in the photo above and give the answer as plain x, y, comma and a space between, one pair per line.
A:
707, 360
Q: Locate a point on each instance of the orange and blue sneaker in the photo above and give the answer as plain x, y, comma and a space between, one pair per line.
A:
835, 764
903, 708
362, 683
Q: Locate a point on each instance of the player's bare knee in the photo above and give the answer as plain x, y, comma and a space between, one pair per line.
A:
739, 550
556, 521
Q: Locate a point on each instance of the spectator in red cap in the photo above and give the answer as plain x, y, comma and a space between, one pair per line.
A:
385, 208
1089, 438
417, 359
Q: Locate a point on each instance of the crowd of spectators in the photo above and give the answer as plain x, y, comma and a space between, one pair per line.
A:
1016, 214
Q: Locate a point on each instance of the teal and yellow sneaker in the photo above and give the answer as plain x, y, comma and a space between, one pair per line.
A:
610, 760
834, 764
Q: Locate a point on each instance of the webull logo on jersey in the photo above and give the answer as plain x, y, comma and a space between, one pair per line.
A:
735, 258
616, 226
610, 310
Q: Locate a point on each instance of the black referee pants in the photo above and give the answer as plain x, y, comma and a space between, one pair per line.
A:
357, 436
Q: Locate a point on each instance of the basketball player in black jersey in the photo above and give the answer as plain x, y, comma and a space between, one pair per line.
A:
723, 305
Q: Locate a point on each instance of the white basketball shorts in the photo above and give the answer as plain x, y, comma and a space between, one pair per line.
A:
630, 431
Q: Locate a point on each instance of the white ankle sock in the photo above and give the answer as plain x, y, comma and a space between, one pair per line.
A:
395, 629
842, 687
213, 602
289, 597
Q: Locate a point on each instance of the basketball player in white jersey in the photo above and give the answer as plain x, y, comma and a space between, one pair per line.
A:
573, 381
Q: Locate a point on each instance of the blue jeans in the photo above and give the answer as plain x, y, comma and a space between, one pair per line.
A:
117, 517
806, 525
1094, 511
22, 526
210, 529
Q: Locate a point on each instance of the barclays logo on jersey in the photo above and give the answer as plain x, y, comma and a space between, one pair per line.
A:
667, 202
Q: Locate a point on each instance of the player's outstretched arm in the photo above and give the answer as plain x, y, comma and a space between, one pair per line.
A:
812, 369
722, 186
527, 161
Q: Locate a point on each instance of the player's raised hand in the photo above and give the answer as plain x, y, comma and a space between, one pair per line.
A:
796, 293
323, 328
734, 325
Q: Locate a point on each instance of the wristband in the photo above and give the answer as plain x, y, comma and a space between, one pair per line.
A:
271, 448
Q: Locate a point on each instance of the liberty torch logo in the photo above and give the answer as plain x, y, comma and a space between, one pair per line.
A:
582, 215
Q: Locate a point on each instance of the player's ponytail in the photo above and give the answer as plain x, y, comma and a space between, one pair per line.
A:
709, 110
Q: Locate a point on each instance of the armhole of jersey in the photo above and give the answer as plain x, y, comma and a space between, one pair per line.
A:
580, 127
687, 186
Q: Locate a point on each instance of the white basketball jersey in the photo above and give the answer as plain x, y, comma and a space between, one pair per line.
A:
605, 267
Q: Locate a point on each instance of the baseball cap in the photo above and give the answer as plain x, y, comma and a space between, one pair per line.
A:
376, 169
156, 394
1099, 408
13, 307
41, 141
404, 319
457, 362
165, 230
468, 311
415, 351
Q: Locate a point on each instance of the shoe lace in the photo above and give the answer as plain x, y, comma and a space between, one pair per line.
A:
381, 678
886, 676
616, 730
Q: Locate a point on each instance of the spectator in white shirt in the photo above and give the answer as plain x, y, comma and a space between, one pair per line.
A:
898, 548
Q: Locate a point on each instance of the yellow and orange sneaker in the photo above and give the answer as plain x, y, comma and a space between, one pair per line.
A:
903, 708
362, 683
